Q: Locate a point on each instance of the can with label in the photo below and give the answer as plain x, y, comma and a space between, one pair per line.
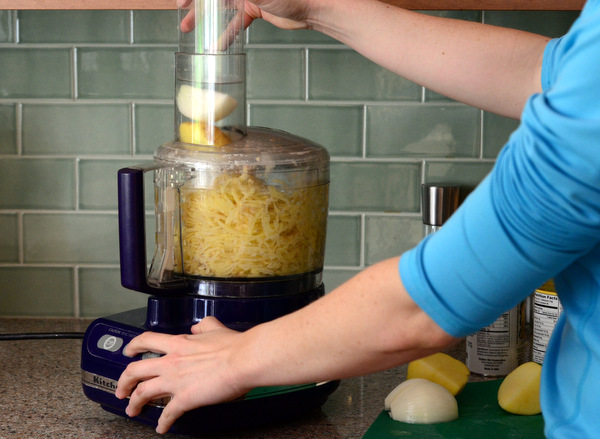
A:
499, 348
546, 311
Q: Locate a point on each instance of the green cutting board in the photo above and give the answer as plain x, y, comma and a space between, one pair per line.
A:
480, 417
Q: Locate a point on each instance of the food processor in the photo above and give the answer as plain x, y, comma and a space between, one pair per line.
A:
241, 215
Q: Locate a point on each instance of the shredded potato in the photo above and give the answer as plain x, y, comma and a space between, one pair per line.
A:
242, 227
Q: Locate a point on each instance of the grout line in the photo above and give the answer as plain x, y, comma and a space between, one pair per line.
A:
364, 132
306, 70
15, 23
124, 157
248, 115
107, 212
77, 176
74, 77
127, 45
19, 128
76, 298
363, 244
269, 102
354, 103
85, 101
354, 213
20, 238
296, 46
132, 140
59, 265
131, 30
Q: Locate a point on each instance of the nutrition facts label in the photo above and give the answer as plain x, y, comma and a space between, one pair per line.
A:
498, 348
546, 311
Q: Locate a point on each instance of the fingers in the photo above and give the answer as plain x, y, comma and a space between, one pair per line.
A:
133, 374
145, 392
183, 3
172, 411
188, 22
207, 324
148, 341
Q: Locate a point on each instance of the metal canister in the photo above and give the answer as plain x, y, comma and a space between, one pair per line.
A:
438, 203
499, 348
546, 311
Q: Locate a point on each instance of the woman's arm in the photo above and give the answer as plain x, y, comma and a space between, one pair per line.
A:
488, 67
368, 324
485, 66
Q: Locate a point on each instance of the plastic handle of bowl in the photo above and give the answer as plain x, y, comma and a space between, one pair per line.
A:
132, 231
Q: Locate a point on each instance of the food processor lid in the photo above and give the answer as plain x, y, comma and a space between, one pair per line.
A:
263, 148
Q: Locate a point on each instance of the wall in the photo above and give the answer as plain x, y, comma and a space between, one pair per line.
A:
84, 93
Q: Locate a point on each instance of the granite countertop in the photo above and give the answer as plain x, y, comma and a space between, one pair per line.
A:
41, 395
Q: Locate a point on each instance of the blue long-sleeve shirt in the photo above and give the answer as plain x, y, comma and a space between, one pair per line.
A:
535, 216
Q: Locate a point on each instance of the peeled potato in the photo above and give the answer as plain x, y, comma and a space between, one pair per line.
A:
421, 401
519, 393
197, 134
442, 369
204, 104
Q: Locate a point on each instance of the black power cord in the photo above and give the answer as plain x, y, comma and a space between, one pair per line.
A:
42, 336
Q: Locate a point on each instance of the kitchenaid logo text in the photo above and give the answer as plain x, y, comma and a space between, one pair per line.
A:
99, 382
103, 382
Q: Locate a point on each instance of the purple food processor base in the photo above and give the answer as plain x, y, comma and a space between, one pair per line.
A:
103, 361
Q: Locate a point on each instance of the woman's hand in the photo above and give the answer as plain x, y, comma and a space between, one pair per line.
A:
289, 14
194, 371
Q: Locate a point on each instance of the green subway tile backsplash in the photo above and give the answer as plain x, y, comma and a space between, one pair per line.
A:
126, 73
58, 129
343, 241
6, 27
37, 291
71, 238
101, 293
74, 26
85, 93
496, 131
37, 184
98, 184
385, 187
386, 237
464, 174
35, 73
346, 75
153, 126
155, 27
275, 74
337, 128
9, 238
423, 131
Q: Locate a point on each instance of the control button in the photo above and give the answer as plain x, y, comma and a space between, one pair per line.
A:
110, 343
147, 355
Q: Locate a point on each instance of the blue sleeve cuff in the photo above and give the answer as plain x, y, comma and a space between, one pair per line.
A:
549, 62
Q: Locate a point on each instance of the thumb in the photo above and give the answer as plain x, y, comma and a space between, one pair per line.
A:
207, 324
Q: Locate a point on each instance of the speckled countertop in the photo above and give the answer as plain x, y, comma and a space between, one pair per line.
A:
41, 395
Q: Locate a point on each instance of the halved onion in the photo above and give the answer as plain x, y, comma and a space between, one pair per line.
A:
421, 401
